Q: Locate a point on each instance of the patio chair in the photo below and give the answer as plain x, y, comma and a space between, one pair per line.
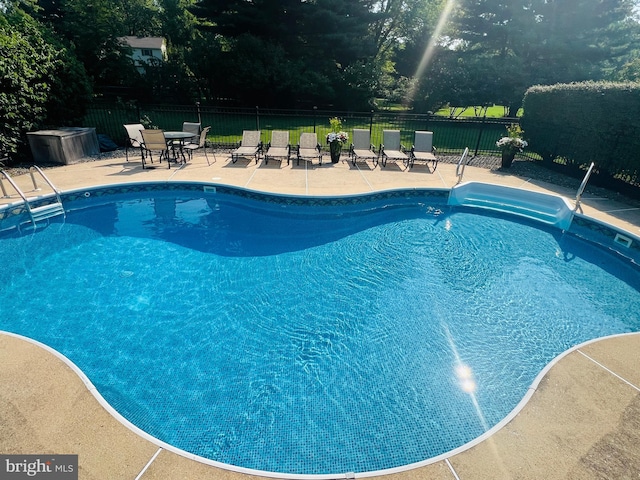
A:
134, 139
250, 146
192, 127
202, 143
154, 140
392, 149
278, 147
362, 148
309, 148
423, 149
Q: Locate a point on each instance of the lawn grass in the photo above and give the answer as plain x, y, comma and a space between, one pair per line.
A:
495, 111
226, 128
448, 137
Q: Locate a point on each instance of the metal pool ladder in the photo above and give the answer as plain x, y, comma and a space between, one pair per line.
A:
42, 212
461, 164
583, 185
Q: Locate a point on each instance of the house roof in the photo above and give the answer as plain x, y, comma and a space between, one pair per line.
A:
144, 42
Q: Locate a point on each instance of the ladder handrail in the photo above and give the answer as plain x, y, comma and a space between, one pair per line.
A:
582, 186
4, 190
461, 165
17, 189
46, 179
44, 211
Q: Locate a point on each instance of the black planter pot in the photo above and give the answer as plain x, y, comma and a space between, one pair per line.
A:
507, 158
334, 149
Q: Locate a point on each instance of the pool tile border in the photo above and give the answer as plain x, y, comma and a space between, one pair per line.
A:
12, 215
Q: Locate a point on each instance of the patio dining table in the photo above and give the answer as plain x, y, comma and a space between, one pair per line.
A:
177, 139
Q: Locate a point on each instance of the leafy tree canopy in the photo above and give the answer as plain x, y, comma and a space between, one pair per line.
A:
25, 59
277, 51
511, 45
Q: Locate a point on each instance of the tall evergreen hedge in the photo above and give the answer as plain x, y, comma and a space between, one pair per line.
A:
586, 122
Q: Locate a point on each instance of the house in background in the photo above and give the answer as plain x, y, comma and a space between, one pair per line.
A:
146, 50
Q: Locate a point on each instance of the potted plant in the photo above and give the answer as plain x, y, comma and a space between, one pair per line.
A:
511, 144
335, 138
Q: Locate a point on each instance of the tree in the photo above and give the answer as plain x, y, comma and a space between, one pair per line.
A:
399, 23
630, 71
27, 63
455, 79
94, 29
71, 90
290, 50
179, 25
422, 61
42, 84
525, 42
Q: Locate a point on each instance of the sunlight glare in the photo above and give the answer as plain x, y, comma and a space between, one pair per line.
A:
464, 373
428, 52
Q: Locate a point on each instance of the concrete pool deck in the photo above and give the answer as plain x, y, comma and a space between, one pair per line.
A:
582, 419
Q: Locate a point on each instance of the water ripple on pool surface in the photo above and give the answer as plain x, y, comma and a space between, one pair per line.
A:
349, 342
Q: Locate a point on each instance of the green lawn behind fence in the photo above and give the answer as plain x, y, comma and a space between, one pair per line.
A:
495, 111
450, 135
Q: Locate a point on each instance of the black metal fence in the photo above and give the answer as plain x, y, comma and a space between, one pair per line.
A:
227, 124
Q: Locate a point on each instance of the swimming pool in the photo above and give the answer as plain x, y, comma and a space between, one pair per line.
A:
309, 336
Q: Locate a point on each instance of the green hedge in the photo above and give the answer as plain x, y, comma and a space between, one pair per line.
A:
586, 122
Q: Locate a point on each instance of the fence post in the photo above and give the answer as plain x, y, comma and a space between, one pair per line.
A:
257, 118
198, 111
315, 109
371, 123
475, 154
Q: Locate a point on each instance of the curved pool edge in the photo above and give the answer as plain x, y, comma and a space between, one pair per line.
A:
531, 390
122, 420
445, 457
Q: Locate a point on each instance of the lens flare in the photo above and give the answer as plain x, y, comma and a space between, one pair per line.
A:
465, 378
430, 49
464, 373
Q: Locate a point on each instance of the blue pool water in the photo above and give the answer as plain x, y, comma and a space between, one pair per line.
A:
304, 339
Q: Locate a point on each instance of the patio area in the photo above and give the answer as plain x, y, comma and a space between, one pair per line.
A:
581, 421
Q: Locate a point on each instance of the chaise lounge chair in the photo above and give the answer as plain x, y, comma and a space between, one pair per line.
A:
362, 148
250, 146
278, 147
423, 149
392, 149
309, 148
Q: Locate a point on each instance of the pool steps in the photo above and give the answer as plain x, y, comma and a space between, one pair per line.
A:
550, 209
46, 211
41, 212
